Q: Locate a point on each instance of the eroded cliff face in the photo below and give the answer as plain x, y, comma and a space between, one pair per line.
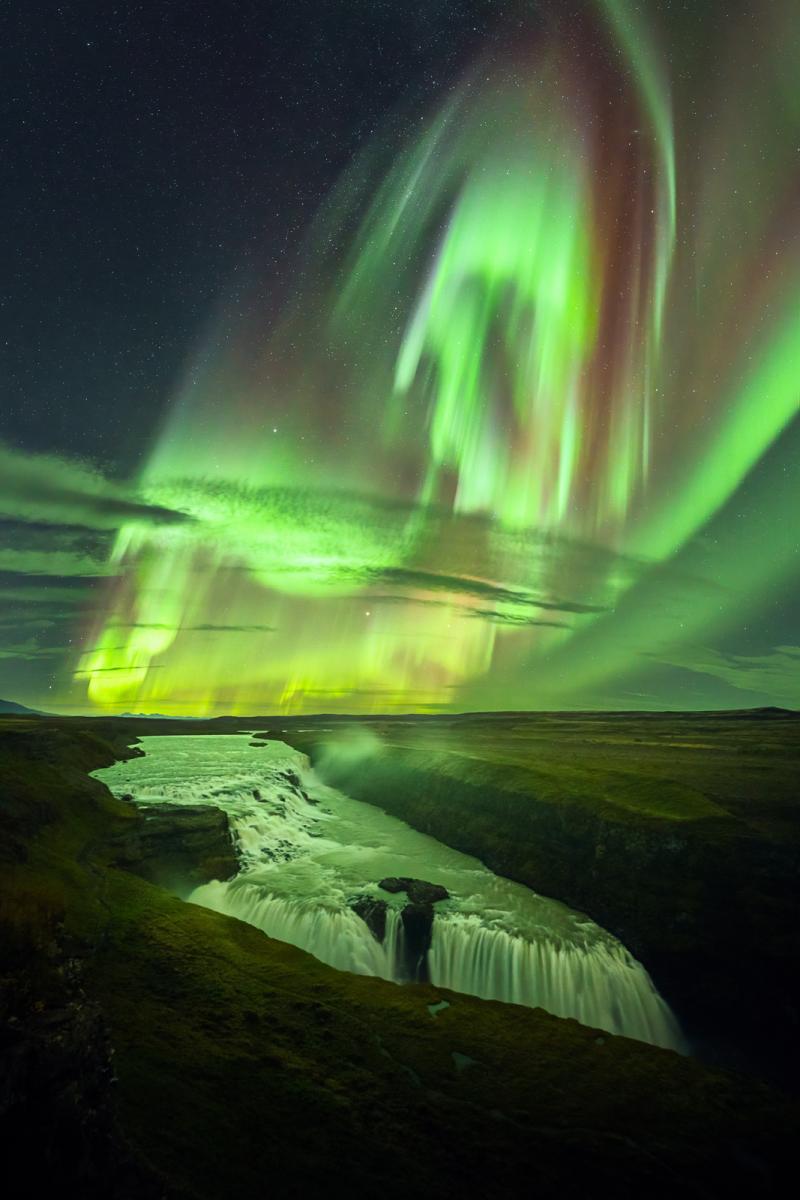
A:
710, 905
179, 848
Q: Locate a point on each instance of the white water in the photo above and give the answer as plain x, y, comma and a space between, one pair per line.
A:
303, 863
336, 936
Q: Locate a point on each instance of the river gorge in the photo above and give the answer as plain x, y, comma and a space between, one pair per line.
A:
311, 864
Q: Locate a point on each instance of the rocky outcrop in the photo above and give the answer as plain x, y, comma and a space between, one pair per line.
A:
417, 918
373, 914
179, 847
296, 784
418, 932
418, 890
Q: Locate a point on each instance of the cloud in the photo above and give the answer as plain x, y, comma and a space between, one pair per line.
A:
230, 628
34, 549
22, 622
295, 537
477, 589
130, 669
517, 620
206, 628
61, 491
773, 677
29, 649
50, 590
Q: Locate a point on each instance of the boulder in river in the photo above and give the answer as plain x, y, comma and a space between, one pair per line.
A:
419, 891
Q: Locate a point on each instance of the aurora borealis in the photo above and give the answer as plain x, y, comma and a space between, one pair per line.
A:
517, 429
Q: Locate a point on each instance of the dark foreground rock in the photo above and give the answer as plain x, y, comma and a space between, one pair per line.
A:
58, 1113
179, 847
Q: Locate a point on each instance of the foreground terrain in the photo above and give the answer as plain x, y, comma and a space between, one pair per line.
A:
154, 1048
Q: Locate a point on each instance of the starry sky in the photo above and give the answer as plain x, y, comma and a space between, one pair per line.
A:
370, 357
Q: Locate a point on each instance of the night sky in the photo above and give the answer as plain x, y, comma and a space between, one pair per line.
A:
365, 356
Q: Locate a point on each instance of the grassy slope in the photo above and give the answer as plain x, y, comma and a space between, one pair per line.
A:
245, 1064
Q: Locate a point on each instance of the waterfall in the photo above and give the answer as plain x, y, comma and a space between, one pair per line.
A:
599, 984
308, 854
335, 936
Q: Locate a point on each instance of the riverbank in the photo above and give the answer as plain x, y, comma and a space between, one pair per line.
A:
153, 1047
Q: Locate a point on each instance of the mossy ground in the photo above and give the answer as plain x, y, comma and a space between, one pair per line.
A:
245, 1066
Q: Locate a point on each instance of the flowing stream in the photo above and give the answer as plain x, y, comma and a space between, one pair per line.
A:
308, 852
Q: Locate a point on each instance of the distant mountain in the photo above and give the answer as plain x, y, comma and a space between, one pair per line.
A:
769, 713
11, 706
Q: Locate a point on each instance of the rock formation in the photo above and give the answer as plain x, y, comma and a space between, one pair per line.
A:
179, 847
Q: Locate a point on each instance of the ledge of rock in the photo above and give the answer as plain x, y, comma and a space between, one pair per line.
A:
179, 847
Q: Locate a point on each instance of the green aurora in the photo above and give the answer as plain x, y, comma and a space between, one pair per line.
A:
524, 429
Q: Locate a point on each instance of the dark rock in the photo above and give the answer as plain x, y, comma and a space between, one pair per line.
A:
294, 781
394, 885
373, 914
179, 847
418, 890
417, 918
418, 929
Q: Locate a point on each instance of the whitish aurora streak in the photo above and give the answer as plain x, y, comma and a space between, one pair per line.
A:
522, 370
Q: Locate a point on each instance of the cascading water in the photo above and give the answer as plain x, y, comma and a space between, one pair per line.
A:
336, 936
309, 853
600, 984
